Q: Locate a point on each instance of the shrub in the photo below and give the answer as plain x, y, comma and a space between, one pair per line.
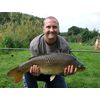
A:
7, 42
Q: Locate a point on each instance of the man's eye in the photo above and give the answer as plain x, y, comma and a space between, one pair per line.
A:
54, 27
48, 26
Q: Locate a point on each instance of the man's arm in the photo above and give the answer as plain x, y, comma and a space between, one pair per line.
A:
34, 69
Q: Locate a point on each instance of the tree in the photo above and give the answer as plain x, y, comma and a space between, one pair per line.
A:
4, 17
74, 30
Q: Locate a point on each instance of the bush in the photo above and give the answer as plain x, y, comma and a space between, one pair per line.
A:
71, 38
7, 42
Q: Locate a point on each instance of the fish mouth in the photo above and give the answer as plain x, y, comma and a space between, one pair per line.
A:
81, 67
78, 65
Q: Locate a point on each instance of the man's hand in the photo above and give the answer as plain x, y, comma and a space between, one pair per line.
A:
35, 70
70, 70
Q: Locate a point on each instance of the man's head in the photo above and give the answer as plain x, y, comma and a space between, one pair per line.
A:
50, 29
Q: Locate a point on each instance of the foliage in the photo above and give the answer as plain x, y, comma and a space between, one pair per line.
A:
19, 28
73, 30
4, 17
81, 35
8, 42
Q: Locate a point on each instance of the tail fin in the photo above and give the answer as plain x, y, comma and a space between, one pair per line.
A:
16, 73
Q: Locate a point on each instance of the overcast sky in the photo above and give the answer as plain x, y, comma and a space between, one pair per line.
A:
81, 13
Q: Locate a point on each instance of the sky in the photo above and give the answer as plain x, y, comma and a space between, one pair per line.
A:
80, 13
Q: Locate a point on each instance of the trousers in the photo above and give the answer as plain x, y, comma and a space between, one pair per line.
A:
30, 81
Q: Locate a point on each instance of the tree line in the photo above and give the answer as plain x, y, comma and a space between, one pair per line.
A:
82, 35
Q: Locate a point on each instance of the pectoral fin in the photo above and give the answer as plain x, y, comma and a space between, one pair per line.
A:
52, 77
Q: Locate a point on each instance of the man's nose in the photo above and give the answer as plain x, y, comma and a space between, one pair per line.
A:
51, 29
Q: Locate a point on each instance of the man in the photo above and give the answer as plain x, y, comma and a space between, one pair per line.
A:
46, 43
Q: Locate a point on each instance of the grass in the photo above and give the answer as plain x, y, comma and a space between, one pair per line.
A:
90, 78
9, 60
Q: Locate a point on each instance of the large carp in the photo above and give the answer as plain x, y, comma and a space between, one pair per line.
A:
51, 64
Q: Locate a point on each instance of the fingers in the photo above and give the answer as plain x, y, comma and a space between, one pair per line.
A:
70, 69
35, 70
75, 69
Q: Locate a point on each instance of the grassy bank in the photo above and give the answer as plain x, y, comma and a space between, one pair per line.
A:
89, 78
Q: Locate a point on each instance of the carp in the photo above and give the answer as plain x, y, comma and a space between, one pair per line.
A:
49, 64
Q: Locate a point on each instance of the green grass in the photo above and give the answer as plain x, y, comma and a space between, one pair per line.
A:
90, 78
7, 62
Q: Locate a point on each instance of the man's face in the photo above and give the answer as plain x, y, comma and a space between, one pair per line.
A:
50, 29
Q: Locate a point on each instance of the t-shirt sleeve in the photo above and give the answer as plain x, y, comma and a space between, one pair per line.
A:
64, 45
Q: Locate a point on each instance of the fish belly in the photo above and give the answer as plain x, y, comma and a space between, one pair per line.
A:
54, 70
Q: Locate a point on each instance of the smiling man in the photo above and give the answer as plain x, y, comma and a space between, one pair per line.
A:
48, 42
